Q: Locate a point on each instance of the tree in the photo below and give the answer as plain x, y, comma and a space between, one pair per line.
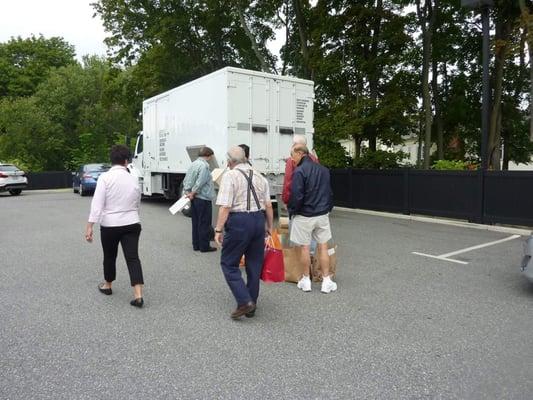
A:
358, 57
73, 118
427, 14
526, 9
28, 135
506, 17
25, 63
173, 42
87, 102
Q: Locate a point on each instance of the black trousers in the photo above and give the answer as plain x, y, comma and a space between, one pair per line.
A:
201, 211
128, 237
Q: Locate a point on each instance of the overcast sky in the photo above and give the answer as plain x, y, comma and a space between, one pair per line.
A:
70, 19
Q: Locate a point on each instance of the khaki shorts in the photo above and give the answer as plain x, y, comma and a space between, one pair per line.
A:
303, 229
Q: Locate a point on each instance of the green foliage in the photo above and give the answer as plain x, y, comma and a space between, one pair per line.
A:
19, 163
173, 42
25, 63
28, 135
364, 57
450, 165
330, 152
73, 118
380, 159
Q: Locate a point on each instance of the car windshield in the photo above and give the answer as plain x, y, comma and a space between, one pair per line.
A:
8, 168
97, 167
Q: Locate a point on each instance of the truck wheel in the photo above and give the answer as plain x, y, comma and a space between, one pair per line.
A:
15, 192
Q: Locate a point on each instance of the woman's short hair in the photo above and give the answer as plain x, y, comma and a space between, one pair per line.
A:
205, 152
119, 154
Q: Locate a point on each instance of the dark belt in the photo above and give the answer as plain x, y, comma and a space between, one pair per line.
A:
247, 212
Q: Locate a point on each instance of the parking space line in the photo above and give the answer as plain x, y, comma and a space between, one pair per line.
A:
480, 246
439, 257
446, 256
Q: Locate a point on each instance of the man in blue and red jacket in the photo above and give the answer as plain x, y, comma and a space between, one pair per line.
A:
309, 205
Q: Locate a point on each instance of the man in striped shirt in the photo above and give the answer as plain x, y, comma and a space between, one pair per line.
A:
245, 217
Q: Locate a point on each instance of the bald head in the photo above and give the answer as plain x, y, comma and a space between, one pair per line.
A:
236, 155
299, 139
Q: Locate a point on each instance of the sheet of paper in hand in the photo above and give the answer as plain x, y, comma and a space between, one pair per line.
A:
179, 205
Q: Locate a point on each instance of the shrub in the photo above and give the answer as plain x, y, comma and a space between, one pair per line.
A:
380, 159
453, 165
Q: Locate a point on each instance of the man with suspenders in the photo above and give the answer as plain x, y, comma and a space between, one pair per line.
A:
245, 217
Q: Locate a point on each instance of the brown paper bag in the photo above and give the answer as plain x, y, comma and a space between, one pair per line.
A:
291, 259
316, 272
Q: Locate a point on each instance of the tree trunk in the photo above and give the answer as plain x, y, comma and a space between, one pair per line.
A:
264, 65
438, 116
427, 23
286, 24
357, 143
530, 51
300, 21
502, 39
506, 152
372, 143
420, 143
527, 16
374, 76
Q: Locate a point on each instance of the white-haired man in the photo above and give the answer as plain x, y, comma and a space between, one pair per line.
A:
290, 166
310, 203
245, 216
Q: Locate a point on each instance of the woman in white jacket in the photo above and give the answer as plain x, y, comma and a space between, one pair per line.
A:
115, 206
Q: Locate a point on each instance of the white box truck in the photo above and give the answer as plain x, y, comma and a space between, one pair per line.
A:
228, 107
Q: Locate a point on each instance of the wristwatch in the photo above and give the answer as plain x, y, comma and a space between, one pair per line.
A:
218, 230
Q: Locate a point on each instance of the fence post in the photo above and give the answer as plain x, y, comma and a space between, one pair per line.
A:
350, 180
479, 216
406, 204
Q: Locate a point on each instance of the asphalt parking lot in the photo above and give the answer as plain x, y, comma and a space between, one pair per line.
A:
400, 326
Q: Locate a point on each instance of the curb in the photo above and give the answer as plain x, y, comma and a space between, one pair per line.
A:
435, 220
62, 190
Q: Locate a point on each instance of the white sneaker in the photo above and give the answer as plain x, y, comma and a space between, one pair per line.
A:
328, 285
304, 284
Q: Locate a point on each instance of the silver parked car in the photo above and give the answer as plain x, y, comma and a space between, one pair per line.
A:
12, 179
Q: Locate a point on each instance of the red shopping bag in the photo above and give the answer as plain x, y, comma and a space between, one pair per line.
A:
273, 267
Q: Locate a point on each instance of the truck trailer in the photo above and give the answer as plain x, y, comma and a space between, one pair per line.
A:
228, 107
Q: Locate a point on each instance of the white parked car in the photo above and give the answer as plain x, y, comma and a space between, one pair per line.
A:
12, 179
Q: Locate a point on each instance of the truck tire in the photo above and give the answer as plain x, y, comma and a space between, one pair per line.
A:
15, 192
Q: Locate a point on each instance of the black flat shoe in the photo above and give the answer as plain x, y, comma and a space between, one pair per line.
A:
106, 291
209, 249
137, 302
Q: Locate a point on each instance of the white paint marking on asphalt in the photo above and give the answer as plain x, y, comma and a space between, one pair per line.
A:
445, 257
479, 246
440, 258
